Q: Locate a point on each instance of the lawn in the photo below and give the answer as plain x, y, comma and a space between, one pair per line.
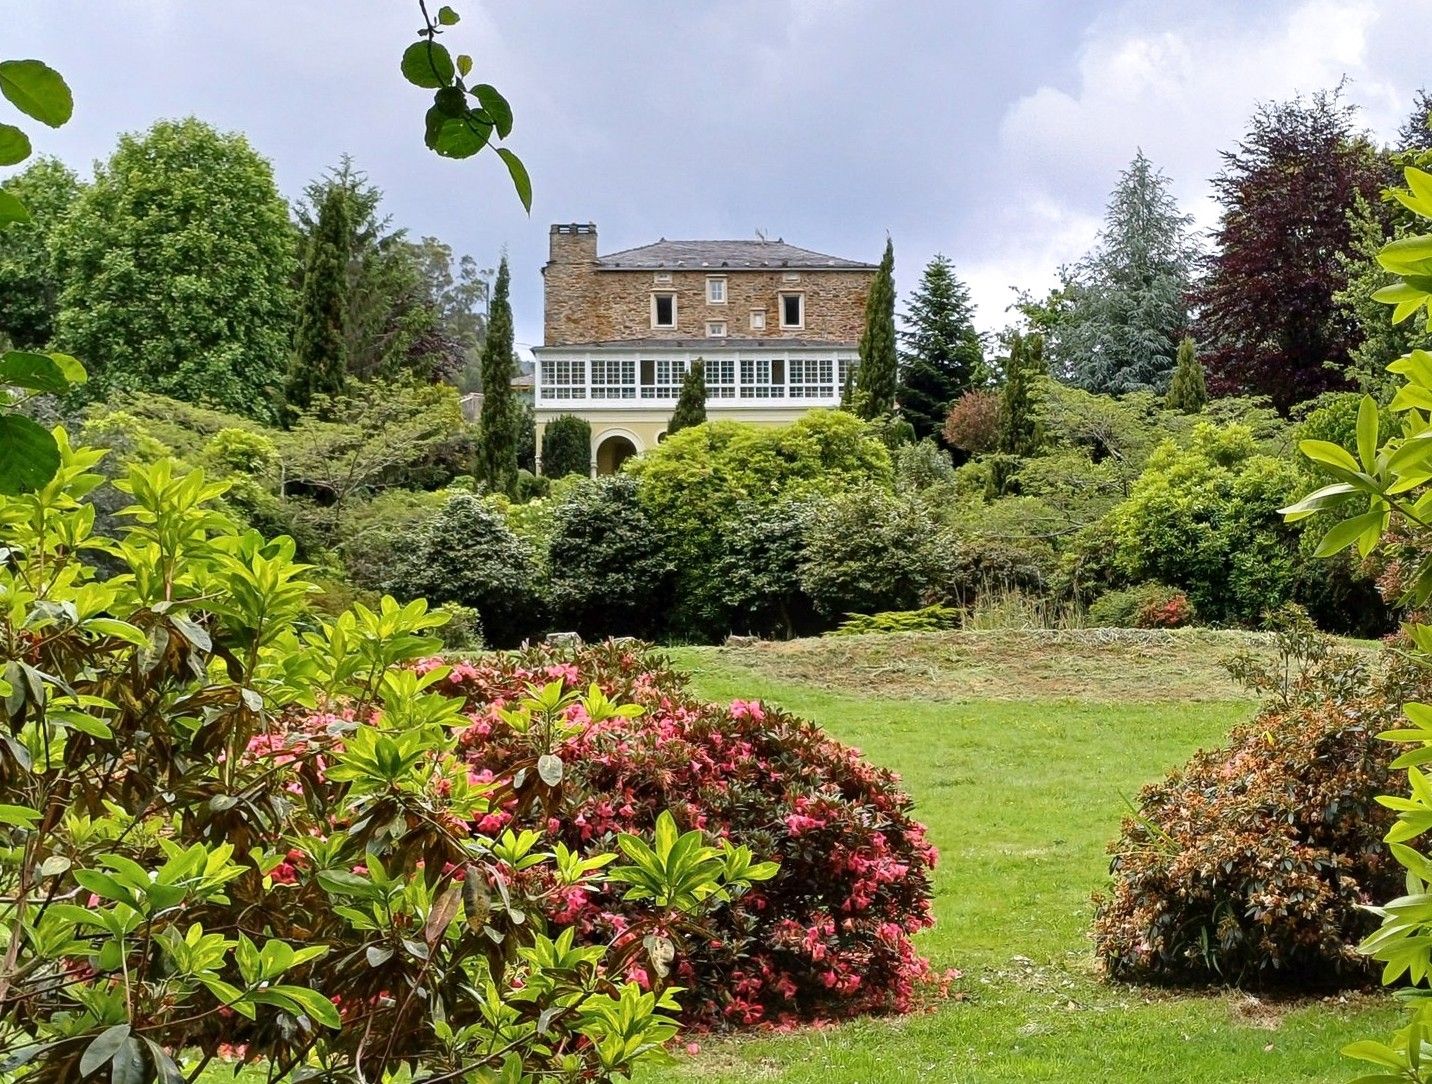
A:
1022, 781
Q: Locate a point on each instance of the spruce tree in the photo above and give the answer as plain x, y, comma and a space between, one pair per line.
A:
1187, 392
943, 356
497, 457
876, 378
320, 344
691, 403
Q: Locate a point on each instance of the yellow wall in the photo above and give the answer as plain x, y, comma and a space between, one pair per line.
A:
643, 426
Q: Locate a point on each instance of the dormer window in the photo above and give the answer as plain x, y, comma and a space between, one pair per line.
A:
793, 310
663, 310
715, 291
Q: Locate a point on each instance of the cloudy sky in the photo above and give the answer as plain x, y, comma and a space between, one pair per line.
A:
990, 132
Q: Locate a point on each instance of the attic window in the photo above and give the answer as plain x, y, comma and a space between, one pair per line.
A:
663, 310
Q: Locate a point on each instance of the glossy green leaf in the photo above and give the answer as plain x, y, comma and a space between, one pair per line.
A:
496, 108
1367, 432
1348, 532
37, 90
104, 1047
520, 180
33, 372
428, 64
14, 145
11, 209
29, 456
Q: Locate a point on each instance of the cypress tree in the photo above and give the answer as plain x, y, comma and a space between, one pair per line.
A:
691, 403
1187, 392
497, 457
567, 447
943, 357
878, 373
320, 345
1019, 431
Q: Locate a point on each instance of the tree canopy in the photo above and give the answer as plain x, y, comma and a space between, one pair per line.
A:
943, 355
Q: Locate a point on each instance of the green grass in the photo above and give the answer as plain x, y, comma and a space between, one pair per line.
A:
1021, 798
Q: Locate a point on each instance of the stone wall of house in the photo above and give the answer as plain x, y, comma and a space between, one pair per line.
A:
586, 304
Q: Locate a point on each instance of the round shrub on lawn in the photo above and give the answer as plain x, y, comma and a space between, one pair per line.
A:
1251, 864
830, 935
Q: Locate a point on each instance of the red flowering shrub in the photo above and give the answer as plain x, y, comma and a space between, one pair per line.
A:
1252, 863
830, 935
1169, 611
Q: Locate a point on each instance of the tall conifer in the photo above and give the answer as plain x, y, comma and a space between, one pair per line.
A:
691, 403
320, 345
943, 357
876, 378
497, 457
1187, 392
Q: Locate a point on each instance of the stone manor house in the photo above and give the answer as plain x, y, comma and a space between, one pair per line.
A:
777, 327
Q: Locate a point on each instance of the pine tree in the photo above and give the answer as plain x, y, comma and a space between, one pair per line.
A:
1125, 304
691, 403
1187, 392
876, 377
1415, 134
943, 356
320, 347
497, 457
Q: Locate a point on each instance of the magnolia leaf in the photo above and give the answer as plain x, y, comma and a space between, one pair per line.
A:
14, 145
37, 90
11, 209
29, 455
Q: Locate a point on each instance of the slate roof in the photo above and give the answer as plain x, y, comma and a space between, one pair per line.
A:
715, 255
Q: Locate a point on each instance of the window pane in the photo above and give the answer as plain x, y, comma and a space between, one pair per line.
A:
665, 308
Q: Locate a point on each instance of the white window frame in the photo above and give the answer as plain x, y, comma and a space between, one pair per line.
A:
715, 329
758, 319
720, 378
781, 299
663, 293
715, 284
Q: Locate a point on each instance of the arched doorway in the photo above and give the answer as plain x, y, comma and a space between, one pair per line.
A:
612, 452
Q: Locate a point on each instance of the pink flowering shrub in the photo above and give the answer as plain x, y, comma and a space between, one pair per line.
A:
830, 935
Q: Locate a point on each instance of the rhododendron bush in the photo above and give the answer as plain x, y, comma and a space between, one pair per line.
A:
828, 936
1256, 864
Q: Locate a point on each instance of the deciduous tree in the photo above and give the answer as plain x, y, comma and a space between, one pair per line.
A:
1267, 308
29, 286
177, 263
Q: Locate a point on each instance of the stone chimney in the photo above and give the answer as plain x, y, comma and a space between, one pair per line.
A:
573, 242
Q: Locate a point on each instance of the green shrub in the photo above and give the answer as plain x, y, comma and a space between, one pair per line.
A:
1147, 606
567, 447
462, 630
920, 465
608, 570
927, 619
754, 585
466, 553
1205, 519
868, 551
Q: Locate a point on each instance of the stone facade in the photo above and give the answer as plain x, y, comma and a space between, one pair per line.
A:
589, 302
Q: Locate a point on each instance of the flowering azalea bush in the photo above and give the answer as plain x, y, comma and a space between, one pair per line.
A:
228, 824
828, 936
1255, 864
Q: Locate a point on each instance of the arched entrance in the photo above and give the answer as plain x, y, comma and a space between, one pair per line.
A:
612, 452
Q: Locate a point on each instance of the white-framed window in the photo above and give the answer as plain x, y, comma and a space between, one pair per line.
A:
715, 329
715, 290
720, 378
842, 372
812, 378
613, 378
661, 377
793, 310
663, 309
762, 378
758, 319
564, 378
